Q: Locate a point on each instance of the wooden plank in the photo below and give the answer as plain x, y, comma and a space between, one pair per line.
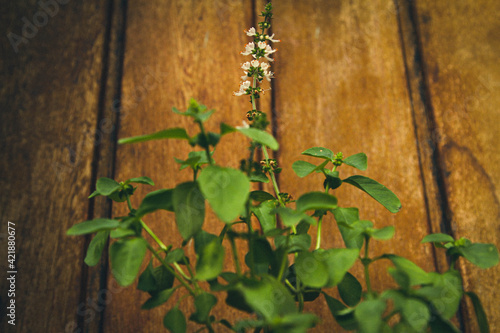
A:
460, 45
341, 84
49, 95
176, 50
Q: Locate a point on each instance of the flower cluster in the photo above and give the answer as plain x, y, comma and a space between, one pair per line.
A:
256, 70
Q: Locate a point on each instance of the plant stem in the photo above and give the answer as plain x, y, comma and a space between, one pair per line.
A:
235, 255
318, 236
283, 260
273, 178
207, 150
153, 235
366, 262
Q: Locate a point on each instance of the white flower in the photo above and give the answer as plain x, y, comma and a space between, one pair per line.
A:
271, 39
255, 63
243, 89
268, 75
251, 32
248, 49
264, 66
246, 66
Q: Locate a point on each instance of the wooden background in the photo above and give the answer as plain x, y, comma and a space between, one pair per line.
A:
414, 84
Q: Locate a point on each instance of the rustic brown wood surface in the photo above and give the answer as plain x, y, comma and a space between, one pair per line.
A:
460, 43
49, 101
414, 85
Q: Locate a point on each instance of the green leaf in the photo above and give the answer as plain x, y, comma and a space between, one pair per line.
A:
377, 191
154, 280
345, 319
267, 297
258, 177
296, 243
345, 218
350, 290
265, 215
96, 246
226, 129
291, 217
263, 256
203, 303
440, 325
316, 200
161, 199
303, 168
202, 239
383, 233
480, 254
189, 207
141, 180
482, 320
92, 226
416, 274
106, 186
369, 315
211, 261
295, 323
175, 321
338, 262
261, 196
126, 257
226, 190
441, 238
171, 133
416, 313
319, 152
94, 194
358, 161
174, 256
311, 270
157, 299
261, 137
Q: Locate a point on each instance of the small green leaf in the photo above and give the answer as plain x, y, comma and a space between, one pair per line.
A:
295, 244
316, 200
319, 152
126, 257
94, 194
258, 177
106, 186
291, 217
338, 262
263, 257
261, 137
482, 319
226, 129
189, 207
480, 254
358, 161
161, 199
203, 303
369, 315
416, 313
416, 274
268, 297
265, 215
171, 133
157, 299
226, 190
174, 256
441, 238
303, 168
175, 321
96, 246
350, 290
383, 233
345, 319
311, 270
261, 196
202, 239
211, 261
92, 226
377, 191
141, 180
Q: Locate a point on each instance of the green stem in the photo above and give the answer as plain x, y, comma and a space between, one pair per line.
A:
283, 260
235, 255
273, 178
207, 150
318, 237
366, 263
129, 204
153, 235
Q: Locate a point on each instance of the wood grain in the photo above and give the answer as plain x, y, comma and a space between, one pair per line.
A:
460, 45
49, 97
341, 84
174, 51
